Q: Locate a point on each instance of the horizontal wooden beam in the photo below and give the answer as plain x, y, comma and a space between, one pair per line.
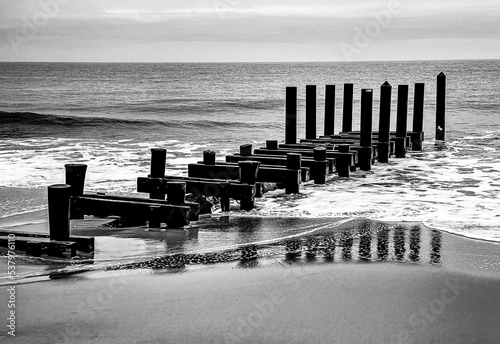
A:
38, 246
132, 209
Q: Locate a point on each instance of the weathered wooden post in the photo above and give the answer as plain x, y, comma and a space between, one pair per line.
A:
272, 144
347, 110
291, 115
366, 150
209, 157
384, 126
401, 122
246, 150
319, 155
310, 111
418, 117
329, 110
158, 162
75, 176
176, 193
343, 161
441, 107
59, 210
248, 175
293, 162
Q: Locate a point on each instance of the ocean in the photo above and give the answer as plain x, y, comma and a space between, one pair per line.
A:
109, 116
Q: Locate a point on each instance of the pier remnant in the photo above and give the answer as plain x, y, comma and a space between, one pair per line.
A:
329, 124
441, 107
418, 117
347, 109
158, 163
59, 209
384, 127
310, 111
75, 177
365, 151
401, 122
291, 115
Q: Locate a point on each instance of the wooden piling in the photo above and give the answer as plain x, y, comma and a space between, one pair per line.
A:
248, 175
441, 107
329, 128
291, 115
59, 210
401, 121
209, 157
158, 162
271, 144
293, 162
246, 150
176, 193
384, 126
347, 110
365, 151
319, 154
418, 117
310, 111
75, 177
366, 117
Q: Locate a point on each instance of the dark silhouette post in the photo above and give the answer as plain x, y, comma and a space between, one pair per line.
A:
365, 151
347, 110
75, 176
209, 157
401, 122
291, 115
418, 117
176, 193
441, 107
384, 126
329, 110
310, 111
158, 162
58, 202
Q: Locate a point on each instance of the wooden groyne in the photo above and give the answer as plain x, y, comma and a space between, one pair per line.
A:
175, 201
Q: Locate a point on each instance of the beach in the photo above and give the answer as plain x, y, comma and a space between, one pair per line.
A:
436, 288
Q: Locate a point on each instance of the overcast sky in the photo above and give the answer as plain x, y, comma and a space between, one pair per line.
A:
248, 30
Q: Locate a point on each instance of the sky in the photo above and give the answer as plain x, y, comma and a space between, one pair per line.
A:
248, 30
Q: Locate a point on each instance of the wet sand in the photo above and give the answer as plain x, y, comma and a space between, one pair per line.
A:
344, 303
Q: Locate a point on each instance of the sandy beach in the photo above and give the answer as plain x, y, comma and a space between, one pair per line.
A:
443, 289
344, 303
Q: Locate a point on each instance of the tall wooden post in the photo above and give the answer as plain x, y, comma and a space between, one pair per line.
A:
248, 175
418, 117
293, 162
329, 110
365, 151
384, 126
441, 107
158, 161
310, 111
176, 193
347, 110
401, 122
291, 115
59, 202
75, 177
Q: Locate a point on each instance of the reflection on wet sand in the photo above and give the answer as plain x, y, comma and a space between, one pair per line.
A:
346, 241
415, 244
436, 238
365, 242
399, 243
383, 243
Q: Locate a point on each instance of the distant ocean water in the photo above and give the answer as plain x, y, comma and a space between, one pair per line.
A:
109, 116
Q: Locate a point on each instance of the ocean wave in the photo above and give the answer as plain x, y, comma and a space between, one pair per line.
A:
35, 124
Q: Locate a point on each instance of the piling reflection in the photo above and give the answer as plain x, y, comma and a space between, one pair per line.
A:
383, 243
329, 248
312, 245
365, 242
346, 241
249, 257
415, 244
293, 250
436, 247
399, 243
